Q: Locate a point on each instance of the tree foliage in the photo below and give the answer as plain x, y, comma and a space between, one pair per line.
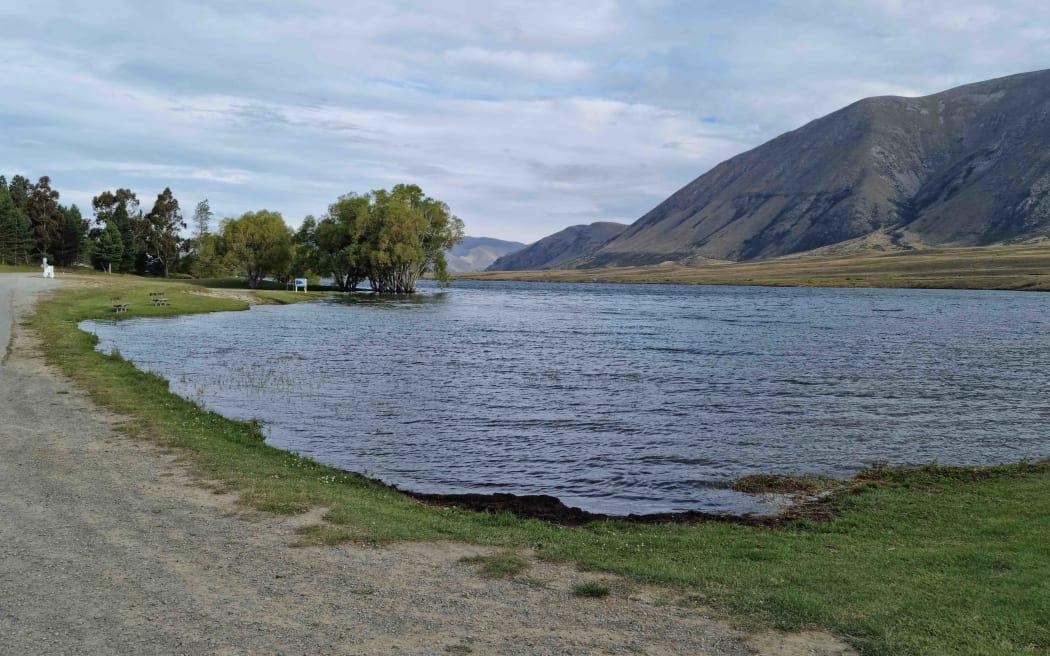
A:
391, 238
258, 243
108, 249
163, 238
16, 234
45, 215
68, 250
34, 224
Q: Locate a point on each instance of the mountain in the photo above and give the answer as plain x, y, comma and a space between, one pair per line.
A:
561, 250
477, 253
968, 166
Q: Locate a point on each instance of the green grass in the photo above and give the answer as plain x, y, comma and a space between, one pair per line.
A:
935, 560
504, 565
19, 268
592, 589
241, 283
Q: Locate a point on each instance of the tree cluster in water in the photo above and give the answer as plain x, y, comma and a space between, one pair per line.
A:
389, 238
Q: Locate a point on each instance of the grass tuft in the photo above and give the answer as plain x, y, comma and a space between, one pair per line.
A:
504, 565
780, 484
591, 589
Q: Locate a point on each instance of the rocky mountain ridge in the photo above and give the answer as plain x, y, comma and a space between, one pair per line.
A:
968, 166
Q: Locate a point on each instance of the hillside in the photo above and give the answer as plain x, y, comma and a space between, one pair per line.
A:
477, 253
561, 250
965, 167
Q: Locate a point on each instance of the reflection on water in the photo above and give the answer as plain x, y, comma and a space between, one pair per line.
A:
620, 398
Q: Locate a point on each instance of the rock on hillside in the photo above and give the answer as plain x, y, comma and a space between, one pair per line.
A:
562, 250
968, 166
477, 253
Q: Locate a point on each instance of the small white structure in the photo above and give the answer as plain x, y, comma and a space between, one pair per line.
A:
299, 282
49, 271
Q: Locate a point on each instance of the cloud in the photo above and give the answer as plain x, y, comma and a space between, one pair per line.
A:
535, 65
523, 116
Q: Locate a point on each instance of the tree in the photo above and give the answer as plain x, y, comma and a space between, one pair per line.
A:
19, 189
259, 243
306, 256
71, 236
202, 219
109, 248
204, 244
45, 215
122, 207
122, 222
406, 235
105, 204
162, 238
338, 238
16, 234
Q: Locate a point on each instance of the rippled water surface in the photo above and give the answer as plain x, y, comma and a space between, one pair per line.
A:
620, 398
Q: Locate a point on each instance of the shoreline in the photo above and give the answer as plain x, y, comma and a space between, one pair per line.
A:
896, 541
114, 541
991, 268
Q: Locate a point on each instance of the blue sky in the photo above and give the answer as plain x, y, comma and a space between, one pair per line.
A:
526, 117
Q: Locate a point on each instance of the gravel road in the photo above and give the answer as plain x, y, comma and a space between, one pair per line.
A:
109, 546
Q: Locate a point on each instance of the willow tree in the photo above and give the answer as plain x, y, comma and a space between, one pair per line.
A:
407, 235
338, 238
259, 243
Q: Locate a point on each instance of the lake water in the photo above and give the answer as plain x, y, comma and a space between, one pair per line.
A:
620, 398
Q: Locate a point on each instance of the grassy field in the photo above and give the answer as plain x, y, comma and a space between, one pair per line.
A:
994, 267
923, 561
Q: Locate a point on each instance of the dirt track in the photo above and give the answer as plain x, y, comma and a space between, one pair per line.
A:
108, 546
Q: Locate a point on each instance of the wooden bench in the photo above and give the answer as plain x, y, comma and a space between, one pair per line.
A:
120, 308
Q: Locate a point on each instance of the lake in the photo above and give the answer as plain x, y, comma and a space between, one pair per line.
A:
620, 398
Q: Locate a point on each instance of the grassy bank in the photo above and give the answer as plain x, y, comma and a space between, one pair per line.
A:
993, 267
927, 561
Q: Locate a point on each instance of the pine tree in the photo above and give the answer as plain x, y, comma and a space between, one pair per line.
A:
122, 222
109, 249
73, 228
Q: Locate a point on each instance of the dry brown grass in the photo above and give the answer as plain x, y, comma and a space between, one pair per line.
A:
1023, 267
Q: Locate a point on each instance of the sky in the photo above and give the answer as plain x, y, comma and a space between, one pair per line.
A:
525, 117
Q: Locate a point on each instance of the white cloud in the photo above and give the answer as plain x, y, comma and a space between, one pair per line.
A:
535, 65
524, 116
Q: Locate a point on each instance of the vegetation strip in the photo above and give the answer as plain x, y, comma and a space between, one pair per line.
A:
934, 560
1021, 267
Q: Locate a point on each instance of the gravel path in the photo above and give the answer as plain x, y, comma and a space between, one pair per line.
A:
108, 546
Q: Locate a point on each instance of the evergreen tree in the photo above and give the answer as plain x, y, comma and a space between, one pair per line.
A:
16, 235
7, 211
45, 215
108, 249
122, 222
73, 229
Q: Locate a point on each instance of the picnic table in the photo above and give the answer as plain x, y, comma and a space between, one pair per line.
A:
120, 308
160, 300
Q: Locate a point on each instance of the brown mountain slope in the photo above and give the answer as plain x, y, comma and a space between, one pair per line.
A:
968, 166
561, 250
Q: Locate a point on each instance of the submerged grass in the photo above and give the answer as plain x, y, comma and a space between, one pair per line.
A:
935, 560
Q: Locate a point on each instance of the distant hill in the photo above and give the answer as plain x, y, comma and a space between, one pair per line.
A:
968, 166
477, 253
562, 250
